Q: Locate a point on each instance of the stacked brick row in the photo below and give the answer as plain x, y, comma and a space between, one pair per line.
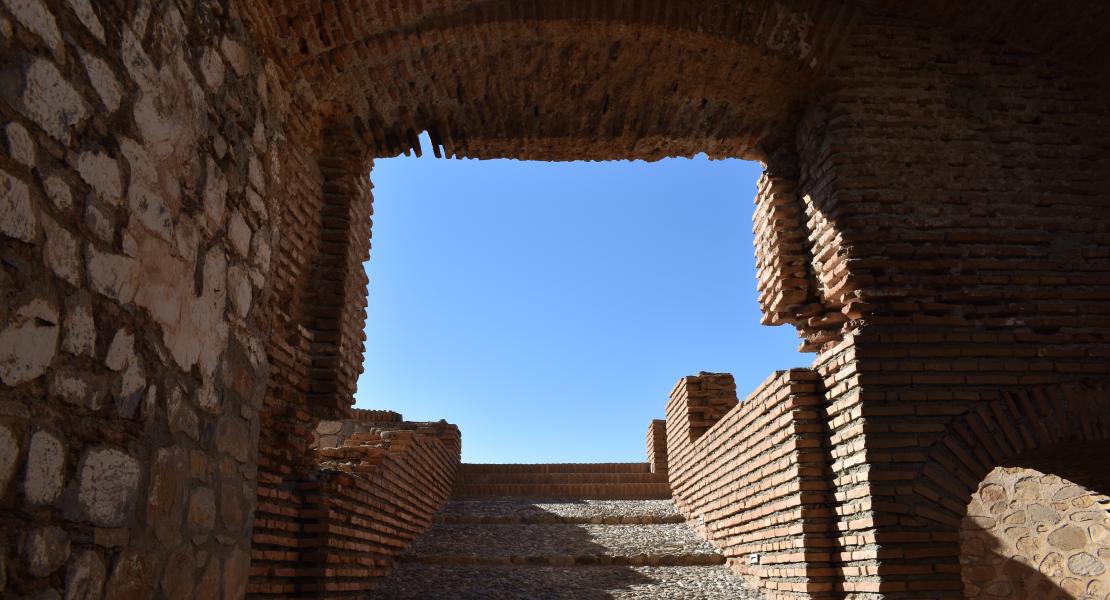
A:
796, 284
705, 399
589, 480
371, 497
657, 446
363, 415
782, 255
756, 483
336, 295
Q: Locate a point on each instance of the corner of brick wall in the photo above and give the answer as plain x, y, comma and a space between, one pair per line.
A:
370, 498
756, 481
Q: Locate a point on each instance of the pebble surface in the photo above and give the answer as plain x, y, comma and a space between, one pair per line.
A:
543, 549
413, 581
560, 539
523, 509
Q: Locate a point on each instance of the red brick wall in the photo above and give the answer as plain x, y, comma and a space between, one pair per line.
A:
968, 257
756, 480
657, 446
367, 502
561, 480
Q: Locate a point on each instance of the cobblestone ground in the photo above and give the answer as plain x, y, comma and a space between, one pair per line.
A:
539, 510
414, 581
513, 548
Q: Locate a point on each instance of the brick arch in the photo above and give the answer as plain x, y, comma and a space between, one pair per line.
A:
568, 80
561, 90
1054, 429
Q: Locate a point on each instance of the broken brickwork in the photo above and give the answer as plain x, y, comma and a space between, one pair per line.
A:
377, 486
184, 206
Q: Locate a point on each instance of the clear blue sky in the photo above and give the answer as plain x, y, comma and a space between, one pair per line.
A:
548, 308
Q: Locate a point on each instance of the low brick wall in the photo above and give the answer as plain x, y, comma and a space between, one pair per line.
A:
613, 481
657, 446
754, 480
372, 496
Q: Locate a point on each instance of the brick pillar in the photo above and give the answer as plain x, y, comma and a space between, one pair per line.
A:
657, 446
336, 298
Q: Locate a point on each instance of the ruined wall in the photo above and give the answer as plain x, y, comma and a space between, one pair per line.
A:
370, 495
756, 481
1028, 534
954, 250
140, 175
183, 208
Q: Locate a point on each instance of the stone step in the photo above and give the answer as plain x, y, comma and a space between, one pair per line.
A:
547, 510
571, 560
416, 581
554, 478
562, 544
468, 469
549, 519
563, 490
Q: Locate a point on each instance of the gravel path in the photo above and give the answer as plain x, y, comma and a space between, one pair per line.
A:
426, 582
523, 510
543, 549
560, 539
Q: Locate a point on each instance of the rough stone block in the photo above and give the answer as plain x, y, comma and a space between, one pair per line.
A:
107, 482
45, 473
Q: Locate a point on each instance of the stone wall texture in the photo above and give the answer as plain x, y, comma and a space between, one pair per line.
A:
185, 206
1032, 535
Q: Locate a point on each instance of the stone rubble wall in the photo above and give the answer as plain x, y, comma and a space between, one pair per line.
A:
334, 433
141, 169
371, 496
1029, 535
756, 480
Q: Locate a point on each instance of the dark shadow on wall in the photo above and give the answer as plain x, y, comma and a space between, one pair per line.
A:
989, 572
524, 549
1015, 580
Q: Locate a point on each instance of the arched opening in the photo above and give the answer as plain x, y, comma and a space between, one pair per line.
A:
545, 307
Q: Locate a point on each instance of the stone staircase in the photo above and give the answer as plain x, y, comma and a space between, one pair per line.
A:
499, 545
596, 480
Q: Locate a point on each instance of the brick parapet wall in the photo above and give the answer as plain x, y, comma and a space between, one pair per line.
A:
757, 482
657, 446
698, 402
561, 480
347, 525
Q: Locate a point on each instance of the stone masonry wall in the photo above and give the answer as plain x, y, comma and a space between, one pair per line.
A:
1032, 535
755, 481
140, 171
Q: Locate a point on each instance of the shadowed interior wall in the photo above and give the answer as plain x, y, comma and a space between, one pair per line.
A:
184, 206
